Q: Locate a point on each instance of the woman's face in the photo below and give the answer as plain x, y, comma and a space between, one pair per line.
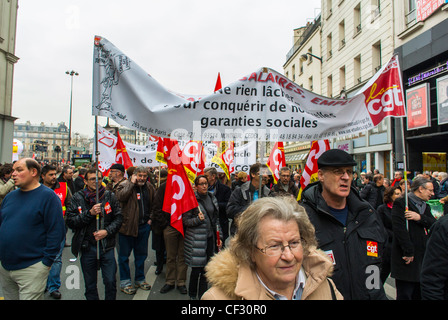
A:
279, 271
202, 186
397, 193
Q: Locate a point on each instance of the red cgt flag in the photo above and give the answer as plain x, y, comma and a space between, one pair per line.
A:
179, 195
309, 174
193, 159
276, 160
121, 155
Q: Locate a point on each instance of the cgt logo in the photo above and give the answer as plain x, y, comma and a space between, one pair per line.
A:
372, 249
385, 96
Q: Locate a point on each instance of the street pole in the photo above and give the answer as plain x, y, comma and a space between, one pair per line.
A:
71, 74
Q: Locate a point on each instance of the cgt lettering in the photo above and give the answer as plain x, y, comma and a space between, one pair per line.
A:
387, 103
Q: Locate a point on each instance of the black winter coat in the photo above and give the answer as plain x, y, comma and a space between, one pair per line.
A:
356, 249
79, 219
373, 194
409, 243
196, 230
434, 274
240, 199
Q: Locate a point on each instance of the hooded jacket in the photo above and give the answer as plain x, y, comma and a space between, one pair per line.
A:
231, 280
356, 248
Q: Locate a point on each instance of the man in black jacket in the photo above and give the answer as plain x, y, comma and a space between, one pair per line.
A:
348, 230
411, 231
81, 216
434, 274
243, 196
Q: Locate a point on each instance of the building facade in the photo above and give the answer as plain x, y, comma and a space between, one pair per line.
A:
356, 38
421, 42
8, 22
41, 141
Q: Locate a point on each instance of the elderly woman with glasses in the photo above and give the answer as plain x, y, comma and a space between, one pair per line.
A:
272, 256
201, 236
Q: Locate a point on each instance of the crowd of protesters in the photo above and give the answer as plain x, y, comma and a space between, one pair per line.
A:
250, 238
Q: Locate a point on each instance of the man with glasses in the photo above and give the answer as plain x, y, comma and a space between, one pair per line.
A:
285, 186
348, 229
247, 193
411, 226
84, 215
136, 196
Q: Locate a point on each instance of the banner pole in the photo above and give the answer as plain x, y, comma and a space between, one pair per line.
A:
97, 192
405, 171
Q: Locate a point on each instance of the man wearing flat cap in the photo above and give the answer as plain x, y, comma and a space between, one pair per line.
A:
116, 175
348, 229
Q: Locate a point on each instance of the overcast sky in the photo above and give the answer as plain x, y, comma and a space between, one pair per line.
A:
183, 44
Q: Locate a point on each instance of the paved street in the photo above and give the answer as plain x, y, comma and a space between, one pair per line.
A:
70, 291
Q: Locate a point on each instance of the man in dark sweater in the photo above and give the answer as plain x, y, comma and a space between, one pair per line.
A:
31, 232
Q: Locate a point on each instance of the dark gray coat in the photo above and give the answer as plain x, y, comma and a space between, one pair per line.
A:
195, 232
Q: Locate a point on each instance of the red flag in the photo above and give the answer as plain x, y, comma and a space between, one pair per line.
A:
276, 160
193, 159
224, 157
179, 195
310, 172
162, 150
121, 155
218, 84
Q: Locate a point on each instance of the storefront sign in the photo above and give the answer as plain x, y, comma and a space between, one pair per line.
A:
434, 161
422, 76
425, 8
417, 103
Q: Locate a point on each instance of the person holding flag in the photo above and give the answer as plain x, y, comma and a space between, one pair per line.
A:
174, 198
81, 217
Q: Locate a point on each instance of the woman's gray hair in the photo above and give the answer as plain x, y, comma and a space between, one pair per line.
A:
419, 182
243, 244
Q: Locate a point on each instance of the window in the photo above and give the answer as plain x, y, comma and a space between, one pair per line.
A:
357, 19
329, 8
310, 83
376, 57
330, 86
330, 45
411, 16
342, 34
342, 78
375, 8
357, 70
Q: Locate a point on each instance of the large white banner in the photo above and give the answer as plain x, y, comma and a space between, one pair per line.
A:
145, 155
263, 105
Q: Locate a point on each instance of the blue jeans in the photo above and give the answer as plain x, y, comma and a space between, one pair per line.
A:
108, 267
54, 277
139, 245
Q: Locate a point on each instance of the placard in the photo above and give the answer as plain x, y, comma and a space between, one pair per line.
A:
417, 103
442, 100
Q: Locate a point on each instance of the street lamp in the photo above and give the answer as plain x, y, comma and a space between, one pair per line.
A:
71, 74
304, 56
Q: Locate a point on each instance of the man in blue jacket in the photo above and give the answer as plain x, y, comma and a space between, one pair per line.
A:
32, 229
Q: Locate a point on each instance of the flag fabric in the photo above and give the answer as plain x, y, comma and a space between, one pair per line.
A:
162, 150
224, 157
218, 84
121, 155
193, 159
310, 172
276, 160
179, 195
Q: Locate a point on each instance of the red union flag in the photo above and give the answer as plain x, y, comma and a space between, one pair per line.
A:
385, 96
162, 150
193, 159
276, 160
122, 155
179, 195
309, 174
224, 157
